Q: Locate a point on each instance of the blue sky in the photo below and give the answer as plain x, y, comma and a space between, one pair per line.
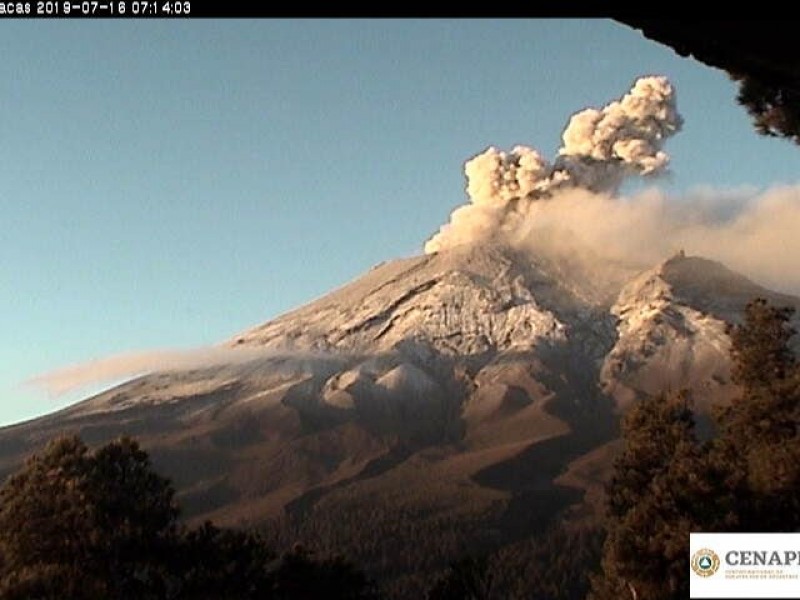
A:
168, 184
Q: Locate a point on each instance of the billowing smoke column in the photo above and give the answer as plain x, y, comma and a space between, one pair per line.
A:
600, 149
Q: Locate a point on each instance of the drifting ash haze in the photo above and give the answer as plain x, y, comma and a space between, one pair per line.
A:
758, 238
124, 366
567, 211
569, 208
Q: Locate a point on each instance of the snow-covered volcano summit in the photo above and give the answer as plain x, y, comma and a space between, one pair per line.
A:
466, 359
457, 303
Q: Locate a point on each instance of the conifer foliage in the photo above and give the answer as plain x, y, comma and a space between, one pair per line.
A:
667, 483
102, 525
76, 524
758, 442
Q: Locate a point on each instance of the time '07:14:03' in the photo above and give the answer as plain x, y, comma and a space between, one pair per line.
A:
132, 8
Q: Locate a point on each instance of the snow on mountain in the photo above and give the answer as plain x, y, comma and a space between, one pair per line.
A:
459, 303
495, 367
434, 326
672, 325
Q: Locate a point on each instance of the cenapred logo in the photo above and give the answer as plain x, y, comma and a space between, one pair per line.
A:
743, 565
705, 562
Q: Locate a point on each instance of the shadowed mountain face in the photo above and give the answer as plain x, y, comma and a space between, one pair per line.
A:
450, 389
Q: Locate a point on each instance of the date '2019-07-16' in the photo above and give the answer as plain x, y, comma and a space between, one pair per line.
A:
98, 8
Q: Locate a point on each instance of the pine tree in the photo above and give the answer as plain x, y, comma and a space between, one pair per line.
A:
664, 487
103, 525
466, 579
221, 564
758, 443
760, 347
302, 575
666, 484
79, 525
659, 448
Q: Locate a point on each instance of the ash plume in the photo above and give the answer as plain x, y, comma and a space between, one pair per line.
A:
600, 148
569, 209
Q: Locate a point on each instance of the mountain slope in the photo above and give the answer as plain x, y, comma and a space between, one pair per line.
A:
672, 330
471, 394
460, 303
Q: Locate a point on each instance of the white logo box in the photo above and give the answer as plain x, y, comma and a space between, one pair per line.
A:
751, 565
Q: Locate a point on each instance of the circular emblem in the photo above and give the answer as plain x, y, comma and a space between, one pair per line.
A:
705, 562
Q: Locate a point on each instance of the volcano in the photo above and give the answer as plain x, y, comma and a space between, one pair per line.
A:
449, 366
474, 392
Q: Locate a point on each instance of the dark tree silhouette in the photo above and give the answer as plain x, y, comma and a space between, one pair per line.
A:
301, 575
760, 347
758, 442
747, 478
223, 564
467, 579
650, 501
103, 525
80, 525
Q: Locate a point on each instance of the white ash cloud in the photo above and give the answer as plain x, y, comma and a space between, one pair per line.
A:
569, 209
601, 147
124, 367
754, 233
